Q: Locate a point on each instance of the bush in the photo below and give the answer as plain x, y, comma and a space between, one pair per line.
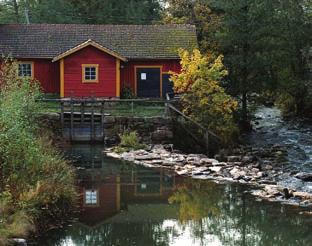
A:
287, 104
203, 99
127, 93
33, 174
129, 141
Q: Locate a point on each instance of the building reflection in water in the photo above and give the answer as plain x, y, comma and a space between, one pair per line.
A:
124, 204
107, 188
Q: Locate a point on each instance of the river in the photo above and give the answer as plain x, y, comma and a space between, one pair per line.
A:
295, 136
124, 204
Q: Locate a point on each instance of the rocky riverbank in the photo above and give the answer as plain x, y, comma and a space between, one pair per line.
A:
262, 174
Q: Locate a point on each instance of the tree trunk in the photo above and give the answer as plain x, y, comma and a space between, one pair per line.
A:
16, 10
244, 107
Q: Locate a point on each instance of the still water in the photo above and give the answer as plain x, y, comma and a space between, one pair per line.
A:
124, 204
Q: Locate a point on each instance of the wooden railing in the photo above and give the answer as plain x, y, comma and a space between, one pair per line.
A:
199, 133
93, 111
115, 107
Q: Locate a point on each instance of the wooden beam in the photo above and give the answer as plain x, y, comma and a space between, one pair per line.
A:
86, 44
62, 86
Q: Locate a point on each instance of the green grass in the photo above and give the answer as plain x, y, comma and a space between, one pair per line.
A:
139, 109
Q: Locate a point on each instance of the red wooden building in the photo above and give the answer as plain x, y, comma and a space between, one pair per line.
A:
98, 60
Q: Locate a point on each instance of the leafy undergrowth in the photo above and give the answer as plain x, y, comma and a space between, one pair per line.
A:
129, 141
36, 185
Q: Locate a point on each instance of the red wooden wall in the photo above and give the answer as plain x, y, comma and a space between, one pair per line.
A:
127, 74
47, 73
106, 87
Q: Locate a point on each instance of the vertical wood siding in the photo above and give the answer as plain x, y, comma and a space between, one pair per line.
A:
128, 70
47, 73
105, 87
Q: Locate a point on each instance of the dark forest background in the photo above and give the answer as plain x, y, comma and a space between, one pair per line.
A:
266, 43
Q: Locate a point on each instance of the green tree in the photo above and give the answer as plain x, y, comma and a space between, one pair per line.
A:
263, 42
81, 11
200, 13
203, 98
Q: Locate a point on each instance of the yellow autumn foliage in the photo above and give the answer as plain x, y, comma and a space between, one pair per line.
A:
203, 98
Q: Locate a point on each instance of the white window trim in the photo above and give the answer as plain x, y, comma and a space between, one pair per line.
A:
32, 67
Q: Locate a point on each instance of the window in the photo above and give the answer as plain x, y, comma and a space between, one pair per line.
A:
91, 197
25, 69
90, 73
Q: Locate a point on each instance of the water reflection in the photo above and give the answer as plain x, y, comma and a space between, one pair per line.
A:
123, 204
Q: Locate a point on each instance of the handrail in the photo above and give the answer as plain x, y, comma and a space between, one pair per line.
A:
96, 100
194, 122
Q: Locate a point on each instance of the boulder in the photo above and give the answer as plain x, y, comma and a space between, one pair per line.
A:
215, 169
303, 195
237, 173
304, 176
247, 159
272, 190
233, 158
19, 242
268, 167
208, 161
147, 157
183, 172
113, 155
192, 158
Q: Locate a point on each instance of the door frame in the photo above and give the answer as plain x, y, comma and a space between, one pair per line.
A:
165, 73
147, 66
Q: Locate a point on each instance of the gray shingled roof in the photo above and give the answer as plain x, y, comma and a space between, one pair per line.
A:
130, 41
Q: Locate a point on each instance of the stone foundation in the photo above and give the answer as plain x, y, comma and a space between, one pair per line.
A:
151, 130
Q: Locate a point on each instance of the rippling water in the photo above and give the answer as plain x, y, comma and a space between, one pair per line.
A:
132, 205
294, 135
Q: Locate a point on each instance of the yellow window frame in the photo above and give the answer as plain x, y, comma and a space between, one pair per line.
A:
84, 66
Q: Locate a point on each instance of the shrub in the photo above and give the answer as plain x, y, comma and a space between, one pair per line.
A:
129, 141
203, 99
127, 93
287, 104
33, 174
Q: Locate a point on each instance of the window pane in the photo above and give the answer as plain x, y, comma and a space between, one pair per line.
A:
90, 73
24, 70
90, 197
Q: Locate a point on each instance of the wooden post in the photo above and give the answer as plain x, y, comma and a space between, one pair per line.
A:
207, 142
71, 119
132, 108
82, 112
102, 121
62, 117
167, 105
92, 122
166, 110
